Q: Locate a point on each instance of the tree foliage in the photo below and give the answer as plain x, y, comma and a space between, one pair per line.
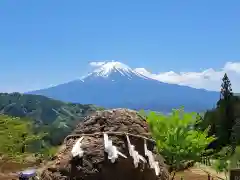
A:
226, 88
57, 118
177, 139
226, 101
16, 136
222, 119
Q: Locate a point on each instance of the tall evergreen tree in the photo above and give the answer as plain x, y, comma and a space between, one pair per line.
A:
222, 119
226, 90
226, 107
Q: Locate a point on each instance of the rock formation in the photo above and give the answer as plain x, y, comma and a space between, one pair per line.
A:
94, 163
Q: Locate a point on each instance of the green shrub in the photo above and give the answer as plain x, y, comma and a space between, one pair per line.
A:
176, 138
16, 137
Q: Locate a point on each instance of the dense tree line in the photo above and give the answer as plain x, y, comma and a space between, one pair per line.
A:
56, 118
223, 120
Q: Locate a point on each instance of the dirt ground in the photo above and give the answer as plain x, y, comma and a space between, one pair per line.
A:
187, 175
195, 173
8, 170
7, 177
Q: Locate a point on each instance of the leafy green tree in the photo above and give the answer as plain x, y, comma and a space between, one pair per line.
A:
176, 138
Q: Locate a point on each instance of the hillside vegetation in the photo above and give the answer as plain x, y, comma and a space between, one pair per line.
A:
56, 118
17, 138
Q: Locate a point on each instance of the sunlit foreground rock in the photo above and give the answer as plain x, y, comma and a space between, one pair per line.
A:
109, 145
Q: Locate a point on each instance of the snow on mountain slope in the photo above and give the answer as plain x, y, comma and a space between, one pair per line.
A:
109, 68
114, 84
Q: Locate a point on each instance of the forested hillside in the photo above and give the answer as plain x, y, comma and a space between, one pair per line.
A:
47, 115
17, 138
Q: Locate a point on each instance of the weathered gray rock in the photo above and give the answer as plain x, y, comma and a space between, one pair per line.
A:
95, 165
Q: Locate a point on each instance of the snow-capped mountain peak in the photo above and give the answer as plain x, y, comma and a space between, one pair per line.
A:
109, 68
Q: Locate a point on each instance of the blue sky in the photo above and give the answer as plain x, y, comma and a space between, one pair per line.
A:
52, 41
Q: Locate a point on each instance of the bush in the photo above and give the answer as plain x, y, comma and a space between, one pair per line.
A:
176, 138
16, 138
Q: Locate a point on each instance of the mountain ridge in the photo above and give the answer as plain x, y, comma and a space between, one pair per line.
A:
115, 84
56, 117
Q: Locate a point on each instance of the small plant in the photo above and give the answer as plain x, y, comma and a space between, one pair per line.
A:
235, 158
225, 160
49, 152
222, 165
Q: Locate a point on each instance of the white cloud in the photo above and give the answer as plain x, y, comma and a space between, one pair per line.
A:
235, 67
96, 64
209, 79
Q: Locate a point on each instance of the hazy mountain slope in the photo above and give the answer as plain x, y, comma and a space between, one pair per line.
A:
117, 85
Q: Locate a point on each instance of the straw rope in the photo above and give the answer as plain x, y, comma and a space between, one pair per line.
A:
110, 133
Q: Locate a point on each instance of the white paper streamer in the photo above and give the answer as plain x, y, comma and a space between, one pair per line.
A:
77, 150
153, 164
111, 149
134, 154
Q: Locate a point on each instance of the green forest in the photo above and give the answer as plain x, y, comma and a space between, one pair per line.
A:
33, 124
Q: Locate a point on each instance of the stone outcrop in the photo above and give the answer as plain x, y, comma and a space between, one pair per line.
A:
94, 165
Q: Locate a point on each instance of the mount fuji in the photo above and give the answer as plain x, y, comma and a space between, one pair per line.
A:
115, 85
